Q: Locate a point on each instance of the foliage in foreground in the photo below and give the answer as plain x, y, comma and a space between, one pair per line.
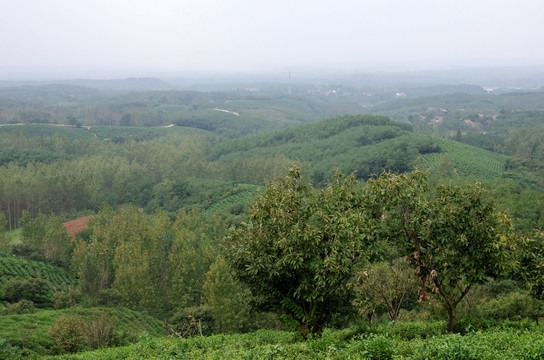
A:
453, 235
301, 246
297, 251
32, 332
354, 343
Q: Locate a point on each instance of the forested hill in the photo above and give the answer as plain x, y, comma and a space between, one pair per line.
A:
365, 144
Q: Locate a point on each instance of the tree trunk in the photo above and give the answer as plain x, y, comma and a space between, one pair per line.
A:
451, 316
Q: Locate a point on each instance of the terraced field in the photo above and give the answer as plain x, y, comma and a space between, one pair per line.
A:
237, 201
57, 278
468, 160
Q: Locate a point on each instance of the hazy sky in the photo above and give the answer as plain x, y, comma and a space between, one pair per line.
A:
255, 35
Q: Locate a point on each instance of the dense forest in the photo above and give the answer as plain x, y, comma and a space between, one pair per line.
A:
361, 224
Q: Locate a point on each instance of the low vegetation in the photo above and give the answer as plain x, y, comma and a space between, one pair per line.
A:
355, 343
51, 332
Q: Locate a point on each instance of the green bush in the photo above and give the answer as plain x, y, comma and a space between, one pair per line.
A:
379, 347
63, 300
197, 320
8, 351
109, 297
512, 306
415, 330
31, 289
451, 347
69, 333
21, 307
100, 332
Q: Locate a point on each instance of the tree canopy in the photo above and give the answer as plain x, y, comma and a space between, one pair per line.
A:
453, 235
297, 250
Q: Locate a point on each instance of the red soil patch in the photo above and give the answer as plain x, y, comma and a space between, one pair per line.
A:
75, 226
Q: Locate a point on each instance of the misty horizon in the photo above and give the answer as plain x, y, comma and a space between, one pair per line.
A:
104, 39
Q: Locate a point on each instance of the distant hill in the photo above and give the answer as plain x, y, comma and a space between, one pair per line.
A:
413, 92
363, 144
464, 101
128, 84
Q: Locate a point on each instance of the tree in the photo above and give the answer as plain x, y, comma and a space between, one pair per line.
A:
530, 263
69, 333
226, 297
384, 285
194, 249
126, 255
298, 248
73, 121
453, 235
45, 238
32, 289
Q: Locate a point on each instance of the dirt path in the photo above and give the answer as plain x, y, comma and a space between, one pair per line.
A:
87, 127
227, 111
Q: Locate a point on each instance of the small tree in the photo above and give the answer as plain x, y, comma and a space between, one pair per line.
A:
530, 264
32, 289
453, 235
69, 333
45, 237
226, 297
384, 285
530, 261
298, 248
100, 332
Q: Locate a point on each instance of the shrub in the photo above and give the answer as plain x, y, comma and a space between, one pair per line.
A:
190, 321
100, 332
109, 297
31, 289
69, 333
8, 351
63, 300
378, 347
513, 306
414, 330
22, 307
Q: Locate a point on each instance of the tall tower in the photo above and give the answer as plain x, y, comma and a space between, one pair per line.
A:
289, 87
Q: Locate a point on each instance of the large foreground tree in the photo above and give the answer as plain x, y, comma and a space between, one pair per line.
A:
453, 235
298, 248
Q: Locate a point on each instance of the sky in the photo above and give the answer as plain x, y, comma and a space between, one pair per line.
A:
160, 36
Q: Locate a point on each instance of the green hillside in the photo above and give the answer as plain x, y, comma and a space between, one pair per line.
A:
364, 144
30, 331
467, 160
57, 278
361, 143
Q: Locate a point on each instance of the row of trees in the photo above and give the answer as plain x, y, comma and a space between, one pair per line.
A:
302, 247
152, 264
86, 174
170, 269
